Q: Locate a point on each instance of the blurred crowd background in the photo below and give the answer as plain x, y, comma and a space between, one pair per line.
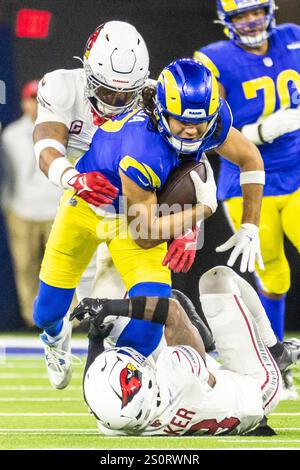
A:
38, 36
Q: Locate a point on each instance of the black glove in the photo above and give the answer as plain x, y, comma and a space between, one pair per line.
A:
90, 308
99, 331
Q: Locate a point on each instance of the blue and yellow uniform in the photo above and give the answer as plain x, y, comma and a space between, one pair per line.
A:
129, 144
257, 86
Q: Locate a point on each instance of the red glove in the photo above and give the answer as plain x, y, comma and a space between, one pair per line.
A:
182, 251
94, 188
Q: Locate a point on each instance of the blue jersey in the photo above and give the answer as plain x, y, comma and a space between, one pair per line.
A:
130, 144
257, 86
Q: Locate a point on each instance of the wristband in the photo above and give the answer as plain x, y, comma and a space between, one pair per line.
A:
256, 177
61, 171
46, 143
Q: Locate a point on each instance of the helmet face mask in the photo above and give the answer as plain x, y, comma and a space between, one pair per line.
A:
189, 93
116, 65
120, 389
239, 31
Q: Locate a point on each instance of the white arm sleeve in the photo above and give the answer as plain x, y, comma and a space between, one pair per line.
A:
56, 97
256, 309
223, 280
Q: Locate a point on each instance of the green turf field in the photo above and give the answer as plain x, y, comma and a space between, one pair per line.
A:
34, 416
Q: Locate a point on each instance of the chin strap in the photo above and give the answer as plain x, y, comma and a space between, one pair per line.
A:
97, 119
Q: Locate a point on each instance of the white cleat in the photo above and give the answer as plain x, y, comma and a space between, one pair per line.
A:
58, 356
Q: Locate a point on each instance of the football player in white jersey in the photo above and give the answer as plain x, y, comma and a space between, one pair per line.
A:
185, 391
73, 104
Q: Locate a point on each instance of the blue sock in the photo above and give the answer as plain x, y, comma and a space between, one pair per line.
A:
275, 309
55, 329
141, 335
50, 307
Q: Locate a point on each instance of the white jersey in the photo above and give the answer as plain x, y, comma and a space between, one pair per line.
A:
190, 406
61, 99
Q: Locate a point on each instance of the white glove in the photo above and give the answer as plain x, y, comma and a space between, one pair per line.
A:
245, 242
277, 124
206, 192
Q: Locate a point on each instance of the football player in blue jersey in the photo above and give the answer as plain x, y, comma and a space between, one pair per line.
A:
258, 70
136, 152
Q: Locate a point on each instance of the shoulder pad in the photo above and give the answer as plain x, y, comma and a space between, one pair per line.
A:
290, 30
57, 90
205, 60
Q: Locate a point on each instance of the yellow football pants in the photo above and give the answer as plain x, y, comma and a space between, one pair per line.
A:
280, 215
74, 237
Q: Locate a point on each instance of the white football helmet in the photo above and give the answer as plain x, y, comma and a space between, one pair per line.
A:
120, 389
116, 64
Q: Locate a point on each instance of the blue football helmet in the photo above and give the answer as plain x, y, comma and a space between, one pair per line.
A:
226, 9
188, 92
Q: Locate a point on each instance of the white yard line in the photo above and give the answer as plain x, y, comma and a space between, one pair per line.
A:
246, 439
43, 430
10, 399
32, 376
163, 448
287, 429
62, 414
46, 430
23, 365
36, 388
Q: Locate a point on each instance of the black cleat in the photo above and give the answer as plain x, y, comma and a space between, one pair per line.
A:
263, 429
290, 355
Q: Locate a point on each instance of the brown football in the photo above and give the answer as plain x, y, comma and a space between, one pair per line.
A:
179, 188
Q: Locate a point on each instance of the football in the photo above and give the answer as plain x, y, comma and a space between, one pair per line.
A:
179, 188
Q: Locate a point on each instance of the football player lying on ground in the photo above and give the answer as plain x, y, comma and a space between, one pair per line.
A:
186, 391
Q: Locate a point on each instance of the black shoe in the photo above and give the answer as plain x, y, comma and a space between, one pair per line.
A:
263, 429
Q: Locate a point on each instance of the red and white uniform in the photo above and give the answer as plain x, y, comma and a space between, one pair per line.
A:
248, 384
61, 98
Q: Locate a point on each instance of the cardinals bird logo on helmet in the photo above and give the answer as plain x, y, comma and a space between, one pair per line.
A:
131, 382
